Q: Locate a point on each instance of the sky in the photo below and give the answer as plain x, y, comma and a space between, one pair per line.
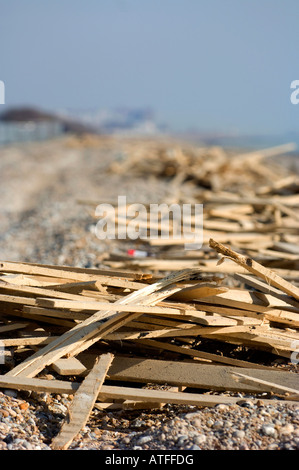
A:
212, 65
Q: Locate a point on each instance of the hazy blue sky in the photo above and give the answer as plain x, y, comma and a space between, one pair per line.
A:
207, 64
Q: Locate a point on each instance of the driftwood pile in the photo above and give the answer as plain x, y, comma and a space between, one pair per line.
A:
148, 330
250, 201
96, 328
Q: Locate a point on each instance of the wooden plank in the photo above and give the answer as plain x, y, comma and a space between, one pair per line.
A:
267, 385
266, 289
47, 319
128, 405
40, 292
176, 332
28, 341
179, 398
133, 275
48, 312
280, 316
17, 300
249, 300
209, 377
216, 301
78, 287
102, 306
254, 340
286, 318
255, 268
22, 280
92, 329
287, 247
199, 354
38, 385
199, 291
69, 366
82, 404
231, 311
224, 237
12, 326
69, 274
124, 393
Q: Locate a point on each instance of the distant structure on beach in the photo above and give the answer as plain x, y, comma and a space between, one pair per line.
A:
124, 121
26, 124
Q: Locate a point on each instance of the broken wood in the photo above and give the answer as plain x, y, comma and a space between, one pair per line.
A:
255, 268
82, 404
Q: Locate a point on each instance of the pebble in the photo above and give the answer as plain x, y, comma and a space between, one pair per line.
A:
239, 434
268, 430
11, 393
144, 439
200, 439
287, 429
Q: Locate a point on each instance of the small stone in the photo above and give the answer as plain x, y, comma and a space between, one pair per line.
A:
268, 430
246, 403
144, 440
191, 416
200, 439
195, 447
222, 407
239, 434
196, 423
27, 445
181, 440
4, 413
218, 425
287, 429
8, 439
11, 393
260, 403
12, 413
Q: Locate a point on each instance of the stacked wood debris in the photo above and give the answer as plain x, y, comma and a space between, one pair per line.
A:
250, 201
101, 331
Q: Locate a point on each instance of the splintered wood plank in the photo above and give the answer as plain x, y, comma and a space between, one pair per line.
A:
16, 299
38, 385
199, 354
83, 403
73, 274
28, 341
199, 291
91, 271
78, 287
12, 326
194, 375
82, 336
276, 344
97, 306
60, 314
255, 268
179, 398
128, 405
40, 292
265, 288
108, 393
267, 386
